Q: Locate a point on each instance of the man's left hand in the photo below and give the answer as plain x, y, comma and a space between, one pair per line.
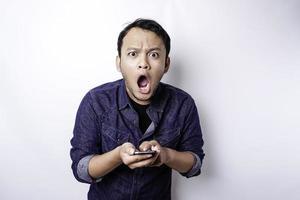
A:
161, 156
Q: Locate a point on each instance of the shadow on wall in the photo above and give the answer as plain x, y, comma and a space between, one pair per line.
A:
178, 76
174, 75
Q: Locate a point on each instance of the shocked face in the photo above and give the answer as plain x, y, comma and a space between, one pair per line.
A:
142, 64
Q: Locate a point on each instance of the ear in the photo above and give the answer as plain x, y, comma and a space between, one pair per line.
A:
118, 63
167, 64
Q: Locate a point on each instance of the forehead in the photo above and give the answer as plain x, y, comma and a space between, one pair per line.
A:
140, 38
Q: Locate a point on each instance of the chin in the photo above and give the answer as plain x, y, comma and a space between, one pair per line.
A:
143, 97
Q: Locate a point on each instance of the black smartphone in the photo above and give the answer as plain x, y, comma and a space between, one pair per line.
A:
144, 152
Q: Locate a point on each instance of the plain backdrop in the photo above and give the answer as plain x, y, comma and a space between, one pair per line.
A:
240, 60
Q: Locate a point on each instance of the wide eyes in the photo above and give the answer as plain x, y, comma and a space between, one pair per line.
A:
152, 54
132, 54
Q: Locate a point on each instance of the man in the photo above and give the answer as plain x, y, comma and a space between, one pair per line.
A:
137, 114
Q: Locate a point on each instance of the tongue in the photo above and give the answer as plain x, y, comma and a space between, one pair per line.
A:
143, 82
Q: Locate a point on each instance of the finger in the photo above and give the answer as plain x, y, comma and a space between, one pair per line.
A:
155, 146
155, 159
136, 158
154, 143
127, 151
130, 150
145, 146
127, 148
127, 144
143, 163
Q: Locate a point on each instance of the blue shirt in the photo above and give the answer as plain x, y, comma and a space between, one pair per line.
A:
106, 119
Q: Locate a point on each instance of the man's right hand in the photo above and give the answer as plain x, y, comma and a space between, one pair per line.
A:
134, 161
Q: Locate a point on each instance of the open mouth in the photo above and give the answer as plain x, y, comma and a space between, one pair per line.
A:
142, 82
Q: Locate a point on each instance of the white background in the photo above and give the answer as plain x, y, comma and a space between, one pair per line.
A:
240, 60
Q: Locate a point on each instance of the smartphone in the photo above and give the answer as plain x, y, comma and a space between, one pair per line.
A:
144, 152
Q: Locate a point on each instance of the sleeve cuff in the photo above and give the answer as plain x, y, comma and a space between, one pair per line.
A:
196, 167
82, 170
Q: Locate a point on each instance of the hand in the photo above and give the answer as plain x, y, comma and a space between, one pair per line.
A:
133, 161
161, 156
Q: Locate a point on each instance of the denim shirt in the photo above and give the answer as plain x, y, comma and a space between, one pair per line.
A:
105, 119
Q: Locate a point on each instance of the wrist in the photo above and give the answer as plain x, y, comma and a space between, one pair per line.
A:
118, 154
168, 155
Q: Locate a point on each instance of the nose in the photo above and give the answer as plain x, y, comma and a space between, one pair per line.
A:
143, 67
143, 63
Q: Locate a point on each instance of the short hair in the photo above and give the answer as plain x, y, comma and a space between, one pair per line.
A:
146, 24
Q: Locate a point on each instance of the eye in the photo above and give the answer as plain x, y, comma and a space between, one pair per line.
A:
154, 54
132, 54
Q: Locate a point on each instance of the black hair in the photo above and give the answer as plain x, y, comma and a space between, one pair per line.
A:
146, 24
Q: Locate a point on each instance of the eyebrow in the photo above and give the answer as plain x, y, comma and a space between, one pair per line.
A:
150, 49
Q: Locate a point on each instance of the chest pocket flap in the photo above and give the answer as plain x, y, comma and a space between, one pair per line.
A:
112, 137
168, 138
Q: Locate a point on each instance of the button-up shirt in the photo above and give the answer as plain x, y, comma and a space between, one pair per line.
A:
106, 119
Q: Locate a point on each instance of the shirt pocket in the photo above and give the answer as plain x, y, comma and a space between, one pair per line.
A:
168, 138
112, 138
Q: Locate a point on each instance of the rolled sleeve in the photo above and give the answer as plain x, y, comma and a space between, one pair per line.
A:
196, 167
192, 140
82, 169
85, 142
